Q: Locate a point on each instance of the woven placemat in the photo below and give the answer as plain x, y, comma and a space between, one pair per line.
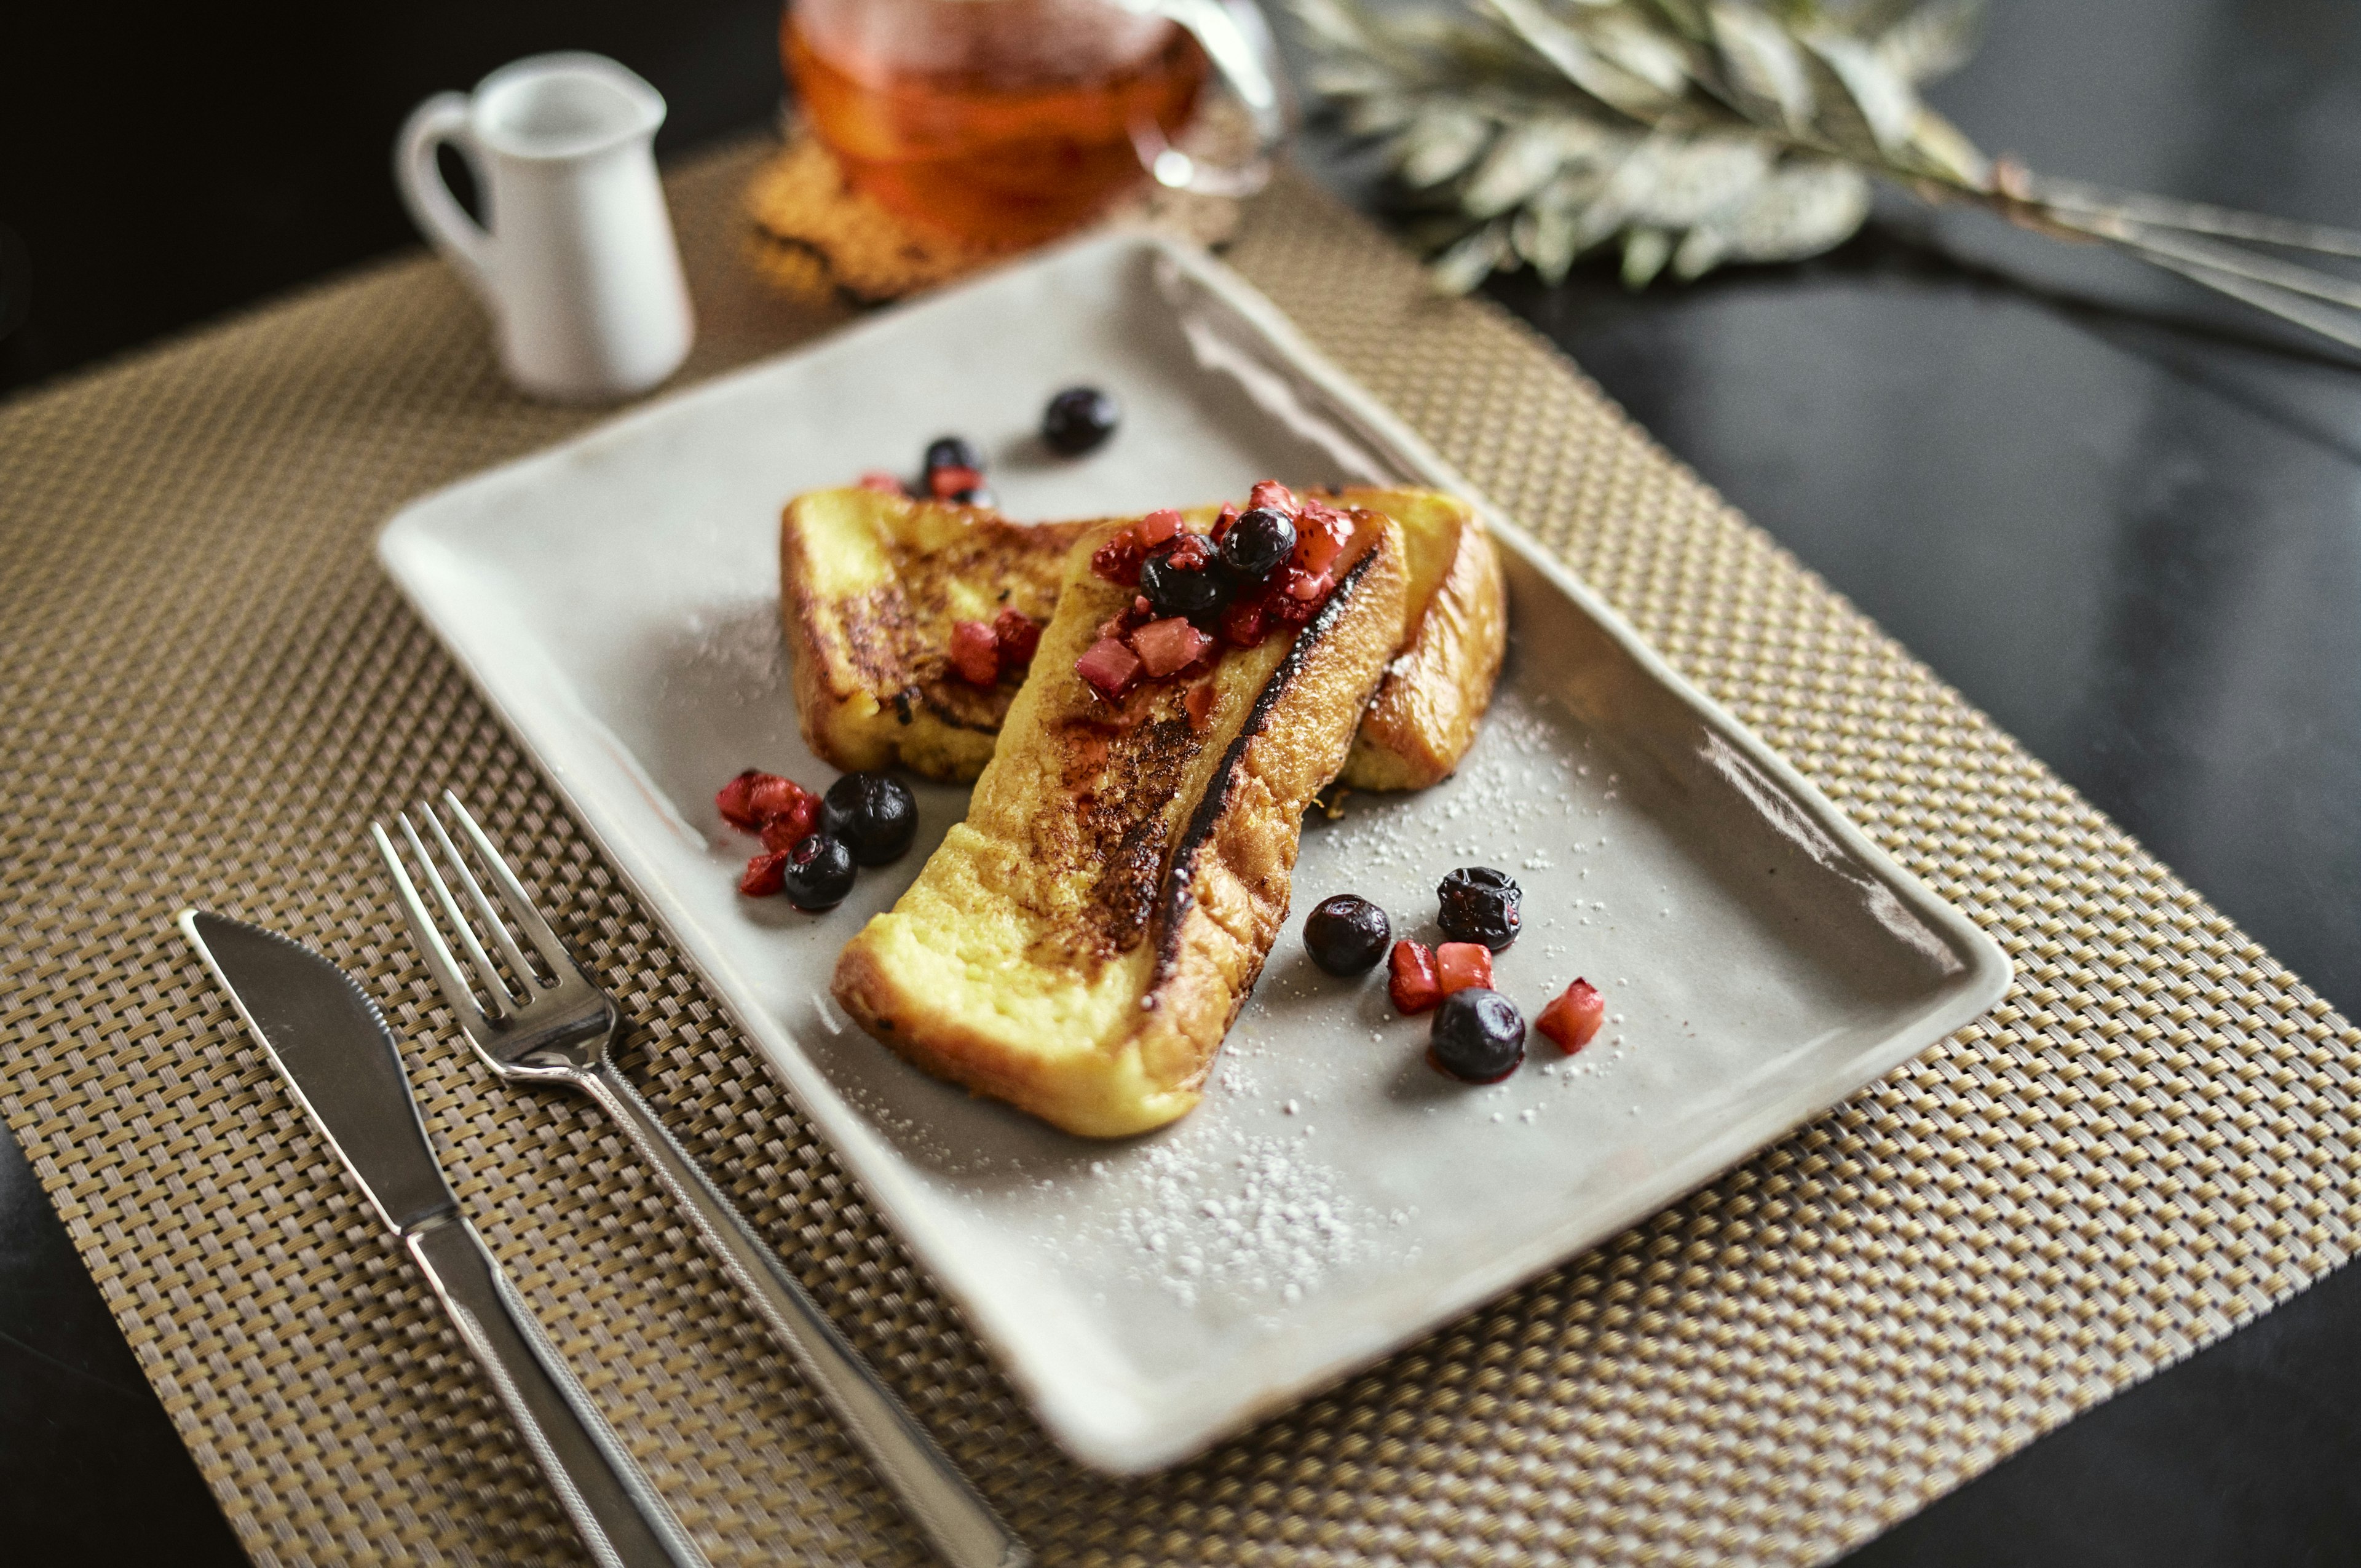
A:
207, 689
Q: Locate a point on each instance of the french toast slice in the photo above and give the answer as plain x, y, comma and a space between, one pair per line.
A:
1456, 632
1079, 946
870, 586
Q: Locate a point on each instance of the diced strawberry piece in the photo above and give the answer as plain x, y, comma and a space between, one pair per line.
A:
735, 801
1198, 702
1411, 979
952, 480
1109, 666
1159, 526
1229, 515
976, 653
1141, 610
1309, 586
1321, 535
1167, 645
1117, 561
1573, 1019
1460, 966
1245, 625
793, 826
1272, 493
767, 873
884, 483
1192, 552
773, 797
1019, 635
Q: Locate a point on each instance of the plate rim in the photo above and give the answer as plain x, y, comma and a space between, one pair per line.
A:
1174, 1429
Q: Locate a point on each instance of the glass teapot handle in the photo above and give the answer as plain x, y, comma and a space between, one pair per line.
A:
1236, 37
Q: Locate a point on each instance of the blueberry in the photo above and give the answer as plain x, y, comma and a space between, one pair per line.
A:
873, 814
1479, 904
818, 873
1256, 544
1079, 419
1479, 1036
1346, 934
953, 452
1181, 590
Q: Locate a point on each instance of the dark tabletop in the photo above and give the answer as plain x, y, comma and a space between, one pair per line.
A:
2123, 519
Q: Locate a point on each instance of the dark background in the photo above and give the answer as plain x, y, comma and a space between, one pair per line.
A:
2123, 519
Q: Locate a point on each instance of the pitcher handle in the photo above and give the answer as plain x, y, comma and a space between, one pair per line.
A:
1237, 38
463, 242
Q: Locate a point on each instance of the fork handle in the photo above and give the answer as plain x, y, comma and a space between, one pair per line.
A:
604, 1492
965, 1531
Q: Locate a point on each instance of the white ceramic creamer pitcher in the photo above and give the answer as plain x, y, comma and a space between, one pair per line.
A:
575, 259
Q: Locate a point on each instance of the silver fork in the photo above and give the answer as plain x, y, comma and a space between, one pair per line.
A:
558, 1028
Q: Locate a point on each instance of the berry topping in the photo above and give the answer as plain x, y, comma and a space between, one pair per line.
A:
1079, 419
1158, 527
767, 873
1574, 1017
1164, 646
1412, 980
964, 485
1479, 1036
1346, 935
1272, 493
1178, 582
1018, 635
873, 814
1244, 624
1479, 904
790, 827
816, 874
1462, 966
883, 483
953, 452
1254, 547
1320, 534
1118, 560
755, 797
976, 653
1109, 666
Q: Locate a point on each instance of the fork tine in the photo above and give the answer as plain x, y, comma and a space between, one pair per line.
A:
520, 903
484, 907
431, 948
503, 1003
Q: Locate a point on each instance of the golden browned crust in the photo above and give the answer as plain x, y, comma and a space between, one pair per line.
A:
1079, 946
873, 688
1435, 692
869, 586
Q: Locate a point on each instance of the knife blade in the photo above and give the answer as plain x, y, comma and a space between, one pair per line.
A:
330, 1043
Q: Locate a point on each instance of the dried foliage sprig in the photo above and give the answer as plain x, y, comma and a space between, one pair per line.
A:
1700, 132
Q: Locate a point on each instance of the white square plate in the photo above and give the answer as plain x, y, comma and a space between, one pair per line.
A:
616, 598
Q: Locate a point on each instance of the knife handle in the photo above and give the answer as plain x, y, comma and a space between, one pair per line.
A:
621, 1518
958, 1522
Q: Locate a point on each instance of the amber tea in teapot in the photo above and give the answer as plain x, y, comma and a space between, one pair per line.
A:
1001, 122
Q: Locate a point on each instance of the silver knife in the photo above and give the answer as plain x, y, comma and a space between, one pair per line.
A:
330, 1043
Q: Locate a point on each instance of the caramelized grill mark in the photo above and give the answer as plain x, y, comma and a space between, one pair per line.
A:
1122, 783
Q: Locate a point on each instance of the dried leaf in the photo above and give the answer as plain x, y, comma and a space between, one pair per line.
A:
1933, 39
1941, 147
1763, 63
1578, 62
1444, 139
1654, 58
1877, 92
1519, 163
1545, 236
1685, 182
1377, 114
1470, 261
1807, 207
1645, 251
1702, 249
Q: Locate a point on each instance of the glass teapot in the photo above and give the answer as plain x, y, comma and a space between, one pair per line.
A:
1005, 122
